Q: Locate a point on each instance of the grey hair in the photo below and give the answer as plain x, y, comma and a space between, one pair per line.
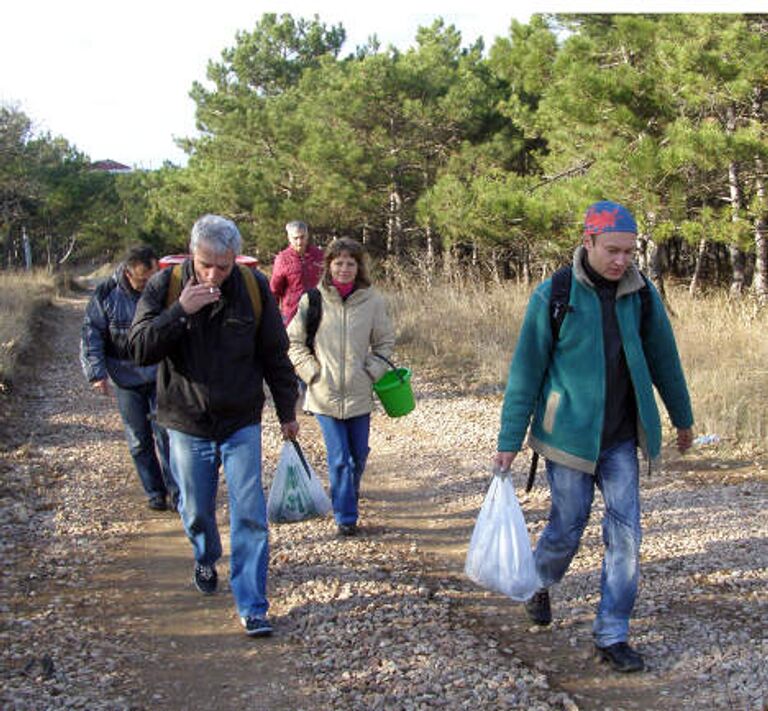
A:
296, 226
218, 233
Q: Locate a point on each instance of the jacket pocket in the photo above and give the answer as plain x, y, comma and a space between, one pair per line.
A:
553, 402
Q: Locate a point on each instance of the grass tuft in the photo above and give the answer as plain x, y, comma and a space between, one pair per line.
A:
22, 294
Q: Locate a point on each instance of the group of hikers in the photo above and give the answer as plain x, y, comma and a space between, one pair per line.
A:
187, 350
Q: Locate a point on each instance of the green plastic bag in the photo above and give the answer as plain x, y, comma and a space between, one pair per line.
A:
296, 493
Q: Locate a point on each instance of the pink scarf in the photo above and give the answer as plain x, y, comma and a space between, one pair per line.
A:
344, 289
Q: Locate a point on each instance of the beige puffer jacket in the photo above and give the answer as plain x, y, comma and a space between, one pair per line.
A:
340, 375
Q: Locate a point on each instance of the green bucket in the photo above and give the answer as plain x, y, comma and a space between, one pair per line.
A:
394, 391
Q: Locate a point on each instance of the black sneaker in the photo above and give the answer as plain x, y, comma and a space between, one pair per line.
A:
157, 503
621, 657
256, 626
347, 529
538, 608
206, 579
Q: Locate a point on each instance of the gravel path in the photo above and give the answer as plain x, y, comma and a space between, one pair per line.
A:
98, 610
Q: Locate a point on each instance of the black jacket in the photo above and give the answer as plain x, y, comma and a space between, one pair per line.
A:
213, 363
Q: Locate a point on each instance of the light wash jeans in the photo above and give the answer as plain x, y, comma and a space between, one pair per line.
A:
572, 493
346, 445
195, 462
147, 440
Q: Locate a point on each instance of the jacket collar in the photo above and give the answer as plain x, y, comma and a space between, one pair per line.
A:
358, 295
121, 279
630, 282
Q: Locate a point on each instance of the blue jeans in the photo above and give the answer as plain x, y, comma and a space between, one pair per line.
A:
147, 440
572, 492
346, 444
195, 462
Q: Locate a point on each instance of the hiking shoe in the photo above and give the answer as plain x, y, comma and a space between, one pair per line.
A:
621, 657
206, 579
347, 529
538, 608
256, 626
157, 503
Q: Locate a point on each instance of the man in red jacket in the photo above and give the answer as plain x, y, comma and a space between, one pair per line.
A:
296, 269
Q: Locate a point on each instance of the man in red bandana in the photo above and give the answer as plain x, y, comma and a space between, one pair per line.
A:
588, 396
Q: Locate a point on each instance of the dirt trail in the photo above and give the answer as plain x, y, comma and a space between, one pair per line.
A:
703, 599
110, 581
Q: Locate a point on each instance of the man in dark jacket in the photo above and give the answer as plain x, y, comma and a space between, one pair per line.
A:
217, 339
589, 400
104, 355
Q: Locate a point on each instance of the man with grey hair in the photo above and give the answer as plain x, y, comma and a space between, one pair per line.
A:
296, 269
216, 331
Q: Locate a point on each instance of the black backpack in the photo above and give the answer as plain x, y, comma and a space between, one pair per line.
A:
560, 297
559, 308
314, 314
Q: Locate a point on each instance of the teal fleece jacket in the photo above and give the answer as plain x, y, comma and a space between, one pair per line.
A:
561, 392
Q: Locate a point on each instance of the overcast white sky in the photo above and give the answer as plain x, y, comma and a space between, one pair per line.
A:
113, 78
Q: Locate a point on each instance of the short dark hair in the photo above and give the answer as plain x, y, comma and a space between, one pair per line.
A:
140, 254
356, 251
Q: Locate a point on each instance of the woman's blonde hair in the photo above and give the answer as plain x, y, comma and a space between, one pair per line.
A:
356, 251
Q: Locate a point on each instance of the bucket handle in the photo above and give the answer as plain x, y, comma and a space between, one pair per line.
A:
391, 365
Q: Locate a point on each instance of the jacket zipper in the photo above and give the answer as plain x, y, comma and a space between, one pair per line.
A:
342, 368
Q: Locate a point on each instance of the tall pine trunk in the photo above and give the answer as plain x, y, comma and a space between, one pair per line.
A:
430, 257
695, 286
738, 263
760, 282
394, 221
652, 255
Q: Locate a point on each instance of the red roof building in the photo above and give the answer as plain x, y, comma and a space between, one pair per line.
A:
110, 166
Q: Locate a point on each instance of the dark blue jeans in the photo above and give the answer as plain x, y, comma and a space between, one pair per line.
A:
147, 441
572, 494
346, 444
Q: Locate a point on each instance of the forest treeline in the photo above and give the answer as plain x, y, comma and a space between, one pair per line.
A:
444, 153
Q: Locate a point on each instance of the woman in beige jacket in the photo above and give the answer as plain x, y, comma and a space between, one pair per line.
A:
341, 368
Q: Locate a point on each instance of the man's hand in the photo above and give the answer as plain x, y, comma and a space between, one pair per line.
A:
102, 387
684, 439
290, 429
196, 296
503, 461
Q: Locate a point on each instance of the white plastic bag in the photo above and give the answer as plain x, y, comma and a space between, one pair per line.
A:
296, 493
499, 556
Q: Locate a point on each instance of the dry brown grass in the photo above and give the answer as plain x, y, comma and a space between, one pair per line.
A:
21, 295
466, 331
724, 348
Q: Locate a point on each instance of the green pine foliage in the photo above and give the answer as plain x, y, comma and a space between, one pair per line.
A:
481, 154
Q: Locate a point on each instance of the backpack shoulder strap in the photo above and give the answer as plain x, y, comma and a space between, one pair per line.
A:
559, 306
314, 314
174, 285
645, 303
254, 292
559, 299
